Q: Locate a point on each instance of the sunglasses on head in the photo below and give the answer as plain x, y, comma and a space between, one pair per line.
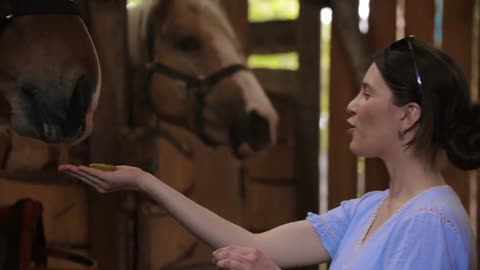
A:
407, 44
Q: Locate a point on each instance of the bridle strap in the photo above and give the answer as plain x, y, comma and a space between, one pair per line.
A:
36, 7
199, 85
193, 82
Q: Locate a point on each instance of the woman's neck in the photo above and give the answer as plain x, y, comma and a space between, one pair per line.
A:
409, 176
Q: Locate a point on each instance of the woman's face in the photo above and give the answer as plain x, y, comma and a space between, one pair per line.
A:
373, 118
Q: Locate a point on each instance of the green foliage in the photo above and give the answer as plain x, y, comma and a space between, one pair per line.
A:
265, 10
133, 2
274, 61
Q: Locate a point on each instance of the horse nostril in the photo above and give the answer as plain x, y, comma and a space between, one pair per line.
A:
258, 131
29, 92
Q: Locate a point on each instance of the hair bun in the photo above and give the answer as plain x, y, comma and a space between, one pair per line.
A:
463, 141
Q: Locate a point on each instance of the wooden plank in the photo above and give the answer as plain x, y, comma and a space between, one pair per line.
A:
457, 42
107, 224
277, 164
342, 164
278, 82
307, 108
65, 209
269, 205
381, 33
273, 37
39, 177
419, 18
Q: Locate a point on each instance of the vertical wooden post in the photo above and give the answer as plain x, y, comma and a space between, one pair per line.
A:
420, 18
382, 28
342, 164
106, 222
457, 42
307, 107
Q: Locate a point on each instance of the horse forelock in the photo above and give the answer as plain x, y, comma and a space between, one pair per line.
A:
139, 21
140, 17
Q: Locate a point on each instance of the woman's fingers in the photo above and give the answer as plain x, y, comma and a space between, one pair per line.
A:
229, 255
238, 249
231, 264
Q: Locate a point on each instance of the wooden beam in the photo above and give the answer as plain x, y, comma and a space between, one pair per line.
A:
278, 82
420, 18
381, 33
107, 223
342, 164
39, 177
273, 37
457, 42
307, 107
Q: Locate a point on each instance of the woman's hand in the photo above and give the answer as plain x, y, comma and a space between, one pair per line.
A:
242, 258
122, 178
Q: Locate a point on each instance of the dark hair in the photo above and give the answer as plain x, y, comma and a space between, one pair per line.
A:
449, 121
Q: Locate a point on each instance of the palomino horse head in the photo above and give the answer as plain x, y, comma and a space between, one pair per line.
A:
49, 70
196, 75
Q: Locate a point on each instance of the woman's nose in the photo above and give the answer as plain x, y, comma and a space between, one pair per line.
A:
351, 107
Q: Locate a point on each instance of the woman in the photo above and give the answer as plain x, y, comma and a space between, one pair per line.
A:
412, 107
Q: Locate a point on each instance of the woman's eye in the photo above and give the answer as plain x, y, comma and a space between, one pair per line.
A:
187, 44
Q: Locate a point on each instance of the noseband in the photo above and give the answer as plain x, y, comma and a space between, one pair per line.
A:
18, 8
200, 86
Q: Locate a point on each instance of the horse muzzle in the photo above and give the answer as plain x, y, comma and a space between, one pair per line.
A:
252, 137
55, 119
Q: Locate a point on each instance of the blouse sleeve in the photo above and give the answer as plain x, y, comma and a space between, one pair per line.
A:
331, 226
426, 240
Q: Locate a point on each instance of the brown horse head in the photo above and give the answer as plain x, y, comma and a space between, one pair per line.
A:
196, 75
49, 70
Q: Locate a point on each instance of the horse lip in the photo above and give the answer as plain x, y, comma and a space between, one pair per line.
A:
53, 134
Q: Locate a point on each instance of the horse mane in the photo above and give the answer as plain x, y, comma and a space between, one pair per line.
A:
139, 18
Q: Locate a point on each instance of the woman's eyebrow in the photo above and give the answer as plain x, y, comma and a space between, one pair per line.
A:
367, 86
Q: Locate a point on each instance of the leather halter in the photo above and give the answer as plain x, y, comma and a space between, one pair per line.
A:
200, 86
18, 8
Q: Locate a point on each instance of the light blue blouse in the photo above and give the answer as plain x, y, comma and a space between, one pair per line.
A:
431, 231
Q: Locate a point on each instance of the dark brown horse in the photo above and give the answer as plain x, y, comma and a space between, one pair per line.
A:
49, 70
193, 74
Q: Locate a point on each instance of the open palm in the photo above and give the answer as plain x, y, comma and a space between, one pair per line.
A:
122, 178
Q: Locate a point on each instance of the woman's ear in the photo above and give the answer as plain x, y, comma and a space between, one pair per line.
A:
411, 115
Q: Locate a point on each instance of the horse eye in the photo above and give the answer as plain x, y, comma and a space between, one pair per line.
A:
187, 44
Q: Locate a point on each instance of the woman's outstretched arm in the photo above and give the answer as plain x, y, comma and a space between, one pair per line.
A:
288, 245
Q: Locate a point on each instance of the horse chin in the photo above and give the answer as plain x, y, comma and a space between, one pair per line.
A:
50, 133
